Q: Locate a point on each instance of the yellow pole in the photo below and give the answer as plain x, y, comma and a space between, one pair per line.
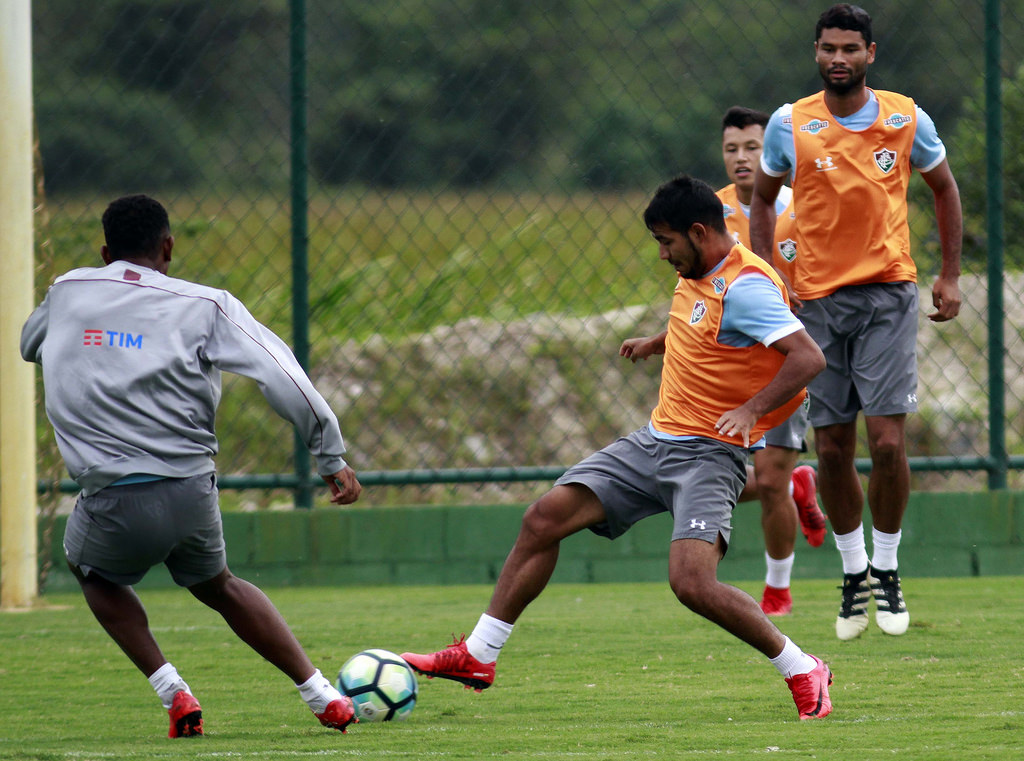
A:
19, 584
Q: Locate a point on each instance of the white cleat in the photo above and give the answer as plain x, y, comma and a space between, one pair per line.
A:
853, 610
891, 613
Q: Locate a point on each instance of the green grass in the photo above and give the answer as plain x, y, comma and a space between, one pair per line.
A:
592, 672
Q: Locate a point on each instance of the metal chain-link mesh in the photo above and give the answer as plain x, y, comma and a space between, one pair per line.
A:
476, 175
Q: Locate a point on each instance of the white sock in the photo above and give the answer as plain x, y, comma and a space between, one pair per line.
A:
318, 692
779, 571
792, 660
489, 636
167, 683
851, 547
884, 548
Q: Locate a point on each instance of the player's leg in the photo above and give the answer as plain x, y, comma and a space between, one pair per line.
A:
774, 468
112, 538
838, 482
889, 482
885, 371
563, 511
257, 622
693, 577
607, 493
121, 614
888, 494
198, 561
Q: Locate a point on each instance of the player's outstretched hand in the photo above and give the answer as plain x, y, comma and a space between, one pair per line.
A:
345, 487
641, 348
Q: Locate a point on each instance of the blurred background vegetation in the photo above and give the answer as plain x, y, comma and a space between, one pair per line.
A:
476, 172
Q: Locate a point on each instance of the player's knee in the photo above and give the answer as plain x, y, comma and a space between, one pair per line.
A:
540, 525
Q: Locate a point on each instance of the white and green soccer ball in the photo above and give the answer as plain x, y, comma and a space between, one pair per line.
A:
381, 685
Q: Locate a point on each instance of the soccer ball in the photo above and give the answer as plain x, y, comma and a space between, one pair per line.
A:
381, 685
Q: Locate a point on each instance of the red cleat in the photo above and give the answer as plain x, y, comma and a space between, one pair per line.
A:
338, 714
805, 493
776, 601
186, 716
810, 692
455, 663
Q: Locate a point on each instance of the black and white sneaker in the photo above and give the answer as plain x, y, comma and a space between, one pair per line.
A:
891, 613
853, 610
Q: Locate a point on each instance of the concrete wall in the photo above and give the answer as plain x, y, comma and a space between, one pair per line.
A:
943, 535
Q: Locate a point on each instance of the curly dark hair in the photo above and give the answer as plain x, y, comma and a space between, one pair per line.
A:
135, 226
852, 18
681, 202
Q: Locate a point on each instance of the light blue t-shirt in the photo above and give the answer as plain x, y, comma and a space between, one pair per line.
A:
753, 311
779, 154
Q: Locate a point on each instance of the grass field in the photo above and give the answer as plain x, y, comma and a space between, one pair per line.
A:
592, 672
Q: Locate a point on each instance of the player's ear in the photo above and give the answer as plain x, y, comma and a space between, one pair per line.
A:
105, 253
166, 248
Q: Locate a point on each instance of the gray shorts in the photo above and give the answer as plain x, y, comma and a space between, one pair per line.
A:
120, 532
868, 334
697, 481
792, 432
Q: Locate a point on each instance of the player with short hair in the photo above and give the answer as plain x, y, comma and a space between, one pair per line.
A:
851, 151
131, 363
786, 490
736, 363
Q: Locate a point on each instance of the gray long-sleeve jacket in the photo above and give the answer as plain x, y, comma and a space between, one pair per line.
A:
131, 368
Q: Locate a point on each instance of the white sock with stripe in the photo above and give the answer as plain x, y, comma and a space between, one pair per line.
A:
318, 692
167, 683
489, 636
792, 660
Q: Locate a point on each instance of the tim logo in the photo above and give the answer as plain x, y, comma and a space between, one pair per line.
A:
114, 338
825, 165
885, 160
719, 283
814, 126
898, 120
787, 249
727, 210
699, 310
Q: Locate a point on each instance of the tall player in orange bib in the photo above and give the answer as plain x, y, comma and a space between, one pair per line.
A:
851, 151
787, 492
735, 364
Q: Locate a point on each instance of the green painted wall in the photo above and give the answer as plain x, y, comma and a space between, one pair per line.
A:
943, 535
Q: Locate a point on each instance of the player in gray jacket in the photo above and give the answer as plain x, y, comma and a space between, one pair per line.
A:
131, 364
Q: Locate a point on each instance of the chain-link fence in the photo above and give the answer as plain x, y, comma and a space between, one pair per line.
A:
464, 188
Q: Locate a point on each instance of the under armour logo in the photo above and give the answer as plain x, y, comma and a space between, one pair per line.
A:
825, 164
694, 523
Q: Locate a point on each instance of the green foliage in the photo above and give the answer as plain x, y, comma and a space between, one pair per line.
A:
598, 671
433, 93
970, 166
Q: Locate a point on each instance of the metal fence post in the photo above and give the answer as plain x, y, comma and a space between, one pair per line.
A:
994, 172
300, 228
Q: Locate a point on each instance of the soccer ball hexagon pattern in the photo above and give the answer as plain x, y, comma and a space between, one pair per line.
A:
381, 685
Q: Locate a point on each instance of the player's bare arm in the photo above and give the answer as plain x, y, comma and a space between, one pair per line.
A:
946, 296
642, 348
762, 224
803, 361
